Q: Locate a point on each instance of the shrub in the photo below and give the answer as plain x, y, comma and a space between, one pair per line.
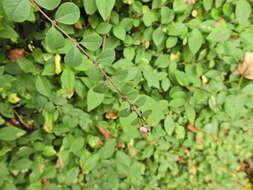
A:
146, 96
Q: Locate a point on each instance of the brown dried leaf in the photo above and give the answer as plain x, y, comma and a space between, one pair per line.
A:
104, 132
245, 68
111, 115
192, 128
15, 54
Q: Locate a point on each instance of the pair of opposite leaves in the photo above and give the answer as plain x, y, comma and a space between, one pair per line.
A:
245, 68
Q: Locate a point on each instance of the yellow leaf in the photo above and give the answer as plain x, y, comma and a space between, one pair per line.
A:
57, 62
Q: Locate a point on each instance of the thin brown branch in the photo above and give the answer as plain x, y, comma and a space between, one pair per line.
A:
124, 98
20, 119
104, 42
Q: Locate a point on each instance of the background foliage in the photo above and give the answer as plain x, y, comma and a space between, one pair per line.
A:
61, 128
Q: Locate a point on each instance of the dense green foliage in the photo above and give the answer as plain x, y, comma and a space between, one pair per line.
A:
62, 128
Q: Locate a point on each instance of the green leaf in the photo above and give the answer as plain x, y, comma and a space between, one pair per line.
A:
167, 15
242, 11
26, 65
248, 89
158, 36
54, 39
48, 4
77, 145
120, 32
106, 57
90, 6
92, 41
180, 132
108, 150
92, 162
74, 57
177, 102
68, 79
195, 41
43, 86
179, 6
11, 133
67, 13
17, 10
169, 125
151, 76
94, 99
105, 8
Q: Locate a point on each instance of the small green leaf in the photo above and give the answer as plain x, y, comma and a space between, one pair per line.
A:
90, 6
242, 11
180, 132
92, 41
11, 133
158, 36
48, 4
43, 86
120, 32
68, 79
77, 145
67, 13
94, 99
169, 125
26, 65
195, 41
105, 8
54, 39
106, 57
74, 57
17, 10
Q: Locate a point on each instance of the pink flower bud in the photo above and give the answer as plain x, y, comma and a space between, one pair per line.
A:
190, 1
144, 130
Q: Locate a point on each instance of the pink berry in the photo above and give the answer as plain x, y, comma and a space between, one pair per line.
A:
190, 1
144, 130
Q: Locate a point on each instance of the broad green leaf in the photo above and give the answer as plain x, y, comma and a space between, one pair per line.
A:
90, 6
190, 113
248, 89
94, 99
105, 8
177, 102
74, 57
91, 162
48, 4
43, 86
106, 57
26, 65
242, 11
149, 17
92, 41
72, 175
67, 13
10, 133
169, 125
220, 33
68, 79
180, 132
167, 15
108, 150
17, 10
179, 6
195, 41
77, 145
151, 77
119, 32
158, 36
54, 39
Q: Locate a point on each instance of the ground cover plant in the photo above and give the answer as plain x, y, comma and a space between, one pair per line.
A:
126, 94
